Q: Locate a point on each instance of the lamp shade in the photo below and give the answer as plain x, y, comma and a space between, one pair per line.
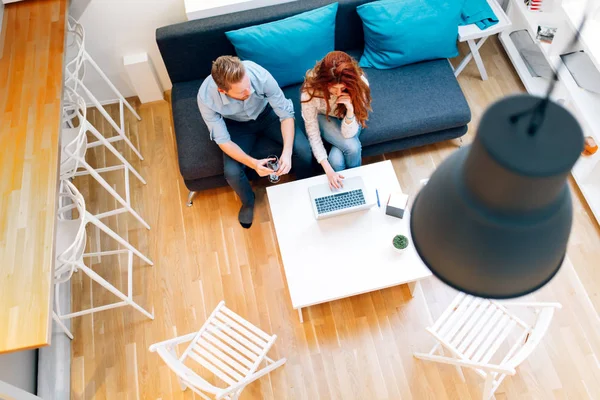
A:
495, 217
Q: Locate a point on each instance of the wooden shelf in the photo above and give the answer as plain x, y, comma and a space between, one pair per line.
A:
535, 85
587, 104
31, 71
591, 192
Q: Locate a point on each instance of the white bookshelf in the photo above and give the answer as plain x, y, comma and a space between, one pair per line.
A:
565, 15
590, 37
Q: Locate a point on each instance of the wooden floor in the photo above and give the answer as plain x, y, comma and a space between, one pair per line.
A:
356, 348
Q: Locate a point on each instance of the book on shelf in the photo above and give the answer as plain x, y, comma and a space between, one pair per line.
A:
534, 5
545, 34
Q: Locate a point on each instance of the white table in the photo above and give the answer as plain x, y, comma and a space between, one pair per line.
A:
470, 33
346, 255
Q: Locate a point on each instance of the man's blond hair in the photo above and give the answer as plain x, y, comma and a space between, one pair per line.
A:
227, 70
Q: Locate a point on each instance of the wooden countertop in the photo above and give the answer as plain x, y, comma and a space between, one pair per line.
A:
32, 46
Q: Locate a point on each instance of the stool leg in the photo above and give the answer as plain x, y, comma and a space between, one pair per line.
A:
115, 236
62, 325
110, 120
105, 284
110, 84
113, 192
109, 146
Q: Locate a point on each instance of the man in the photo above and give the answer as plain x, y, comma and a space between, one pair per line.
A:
240, 101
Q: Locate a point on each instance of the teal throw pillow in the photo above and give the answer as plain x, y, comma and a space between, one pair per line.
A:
400, 32
289, 47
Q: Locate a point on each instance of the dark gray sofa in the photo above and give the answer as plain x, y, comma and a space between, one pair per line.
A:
414, 105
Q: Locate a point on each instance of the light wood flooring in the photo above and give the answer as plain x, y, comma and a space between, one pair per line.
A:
355, 348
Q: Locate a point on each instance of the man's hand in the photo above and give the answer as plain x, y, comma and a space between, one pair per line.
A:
260, 166
285, 163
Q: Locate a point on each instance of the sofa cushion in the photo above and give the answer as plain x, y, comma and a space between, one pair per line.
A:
407, 101
412, 100
401, 32
299, 42
188, 48
200, 157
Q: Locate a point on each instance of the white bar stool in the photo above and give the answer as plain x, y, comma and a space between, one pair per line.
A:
70, 250
74, 146
75, 75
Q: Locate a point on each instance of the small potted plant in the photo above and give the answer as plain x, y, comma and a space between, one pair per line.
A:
400, 243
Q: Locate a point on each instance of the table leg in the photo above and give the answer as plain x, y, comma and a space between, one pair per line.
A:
475, 51
300, 315
412, 286
463, 64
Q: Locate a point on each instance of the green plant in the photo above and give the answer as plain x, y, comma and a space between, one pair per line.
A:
400, 242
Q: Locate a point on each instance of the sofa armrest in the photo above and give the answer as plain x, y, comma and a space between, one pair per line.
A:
199, 157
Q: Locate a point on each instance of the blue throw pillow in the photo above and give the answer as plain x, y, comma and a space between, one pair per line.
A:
289, 47
400, 32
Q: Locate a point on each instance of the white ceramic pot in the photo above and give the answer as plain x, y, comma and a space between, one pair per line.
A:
397, 250
400, 250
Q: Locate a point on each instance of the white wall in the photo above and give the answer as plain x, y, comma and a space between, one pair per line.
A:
115, 28
77, 7
197, 9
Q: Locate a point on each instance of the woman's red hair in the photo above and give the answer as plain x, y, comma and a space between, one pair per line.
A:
338, 67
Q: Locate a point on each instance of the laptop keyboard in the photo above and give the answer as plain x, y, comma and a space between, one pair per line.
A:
340, 201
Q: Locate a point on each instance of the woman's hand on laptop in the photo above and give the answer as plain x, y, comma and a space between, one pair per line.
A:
335, 180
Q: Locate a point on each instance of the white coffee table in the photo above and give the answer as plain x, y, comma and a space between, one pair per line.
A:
345, 255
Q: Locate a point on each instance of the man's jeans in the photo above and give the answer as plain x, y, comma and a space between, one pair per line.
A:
245, 135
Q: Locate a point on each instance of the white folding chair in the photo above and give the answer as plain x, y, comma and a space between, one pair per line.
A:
228, 346
74, 146
75, 72
474, 330
70, 250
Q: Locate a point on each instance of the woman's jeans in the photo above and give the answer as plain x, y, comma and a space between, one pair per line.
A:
344, 153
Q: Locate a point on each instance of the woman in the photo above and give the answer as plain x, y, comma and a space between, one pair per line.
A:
336, 87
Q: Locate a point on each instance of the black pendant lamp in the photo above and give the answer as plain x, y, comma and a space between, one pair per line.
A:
495, 217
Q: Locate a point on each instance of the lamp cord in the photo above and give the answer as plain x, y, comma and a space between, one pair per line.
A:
538, 112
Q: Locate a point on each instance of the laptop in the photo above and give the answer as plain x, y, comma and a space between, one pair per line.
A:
351, 198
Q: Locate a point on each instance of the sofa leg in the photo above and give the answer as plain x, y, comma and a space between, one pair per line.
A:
190, 200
